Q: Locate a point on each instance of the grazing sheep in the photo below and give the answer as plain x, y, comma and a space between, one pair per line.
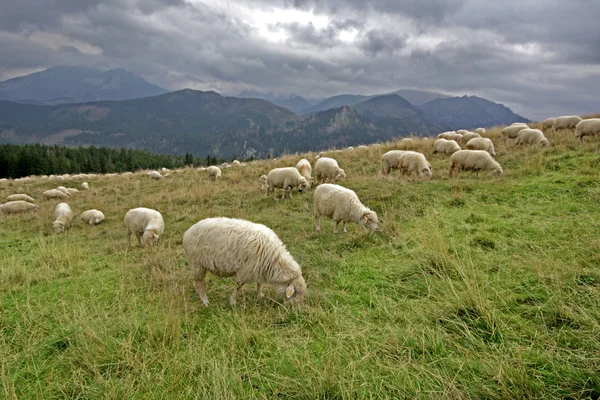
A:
350, 148
327, 169
214, 173
236, 163
92, 217
54, 194
246, 252
62, 217
64, 190
287, 179
512, 131
450, 135
163, 169
362, 147
587, 127
406, 144
304, 168
341, 205
532, 136
264, 184
548, 123
20, 196
481, 131
480, 143
474, 160
85, 186
155, 175
225, 165
566, 122
447, 147
468, 136
71, 190
18, 206
128, 173
407, 162
147, 224
201, 169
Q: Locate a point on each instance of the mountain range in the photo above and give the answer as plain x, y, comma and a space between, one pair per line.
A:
208, 123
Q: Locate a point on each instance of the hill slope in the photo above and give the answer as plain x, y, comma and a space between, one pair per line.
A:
59, 85
337, 102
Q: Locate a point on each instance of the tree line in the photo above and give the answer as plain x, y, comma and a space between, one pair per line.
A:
17, 161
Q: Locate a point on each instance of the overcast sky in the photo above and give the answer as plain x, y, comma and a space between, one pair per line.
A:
539, 57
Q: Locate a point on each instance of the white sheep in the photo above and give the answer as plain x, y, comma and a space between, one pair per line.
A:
85, 186
468, 136
447, 147
92, 217
128, 173
305, 169
62, 217
287, 179
72, 190
406, 144
20, 196
532, 136
201, 169
147, 224
481, 131
3, 180
214, 173
264, 184
54, 194
246, 252
155, 175
163, 169
587, 127
407, 162
18, 206
362, 147
341, 205
64, 190
548, 123
236, 163
512, 131
566, 122
327, 169
474, 160
480, 143
450, 135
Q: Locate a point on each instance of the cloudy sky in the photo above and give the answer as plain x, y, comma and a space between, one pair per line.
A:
539, 57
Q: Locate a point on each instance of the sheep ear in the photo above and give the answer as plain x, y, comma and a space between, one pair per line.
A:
289, 291
365, 218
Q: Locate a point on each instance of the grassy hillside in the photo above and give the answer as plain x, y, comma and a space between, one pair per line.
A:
474, 287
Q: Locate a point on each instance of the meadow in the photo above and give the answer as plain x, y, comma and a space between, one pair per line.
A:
474, 287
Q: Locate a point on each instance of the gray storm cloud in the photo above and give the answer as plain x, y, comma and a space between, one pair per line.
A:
539, 57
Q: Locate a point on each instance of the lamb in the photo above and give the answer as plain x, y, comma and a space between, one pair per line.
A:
147, 224
54, 194
246, 252
64, 190
587, 127
447, 147
18, 206
155, 175
62, 217
474, 160
407, 162
341, 205
327, 169
512, 131
567, 122
480, 143
468, 136
85, 186
532, 136
304, 168
406, 144
450, 135
92, 217
481, 131
286, 179
548, 123
264, 184
214, 173
20, 196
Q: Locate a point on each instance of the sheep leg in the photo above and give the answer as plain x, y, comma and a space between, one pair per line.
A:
318, 222
259, 292
139, 238
199, 285
129, 239
235, 294
335, 226
344, 226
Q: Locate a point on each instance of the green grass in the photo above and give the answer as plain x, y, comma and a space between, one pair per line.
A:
473, 288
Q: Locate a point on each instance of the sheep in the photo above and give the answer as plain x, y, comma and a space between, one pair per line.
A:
362, 147
71, 190
62, 217
481, 131
264, 184
246, 252
20, 196
350, 148
480, 143
236, 163
286, 179
18, 206
305, 169
587, 127
468, 136
548, 123
450, 135
85, 186
54, 194
462, 131
532, 136
163, 169
155, 175
327, 169
214, 173
341, 205
128, 173
474, 160
567, 122
447, 147
407, 162
512, 131
64, 190
147, 224
201, 169
225, 165
92, 217
406, 144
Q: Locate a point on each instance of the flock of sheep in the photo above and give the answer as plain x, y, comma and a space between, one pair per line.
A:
250, 252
